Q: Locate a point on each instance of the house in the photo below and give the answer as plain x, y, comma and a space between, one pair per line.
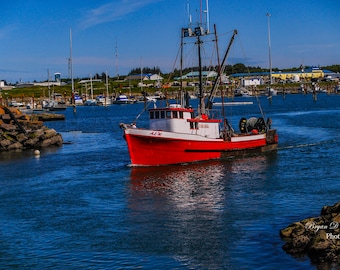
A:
155, 77
137, 77
144, 77
195, 75
251, 82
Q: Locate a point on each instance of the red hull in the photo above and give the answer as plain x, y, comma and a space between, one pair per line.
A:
154, 151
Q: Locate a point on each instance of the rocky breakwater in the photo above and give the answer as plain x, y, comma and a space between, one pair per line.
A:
318, 237
20, 131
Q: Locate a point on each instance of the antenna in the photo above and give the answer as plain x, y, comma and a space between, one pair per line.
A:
207, 17
188, 11
116, 54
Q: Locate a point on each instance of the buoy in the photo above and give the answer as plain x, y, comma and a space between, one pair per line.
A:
37, 152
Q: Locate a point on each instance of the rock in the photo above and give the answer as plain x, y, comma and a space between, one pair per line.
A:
6, 118
49, 133
44, 143
5, 143
318, 237
57, 140
15, 146
39, 133
335, 209
21, 137
19, 131
30, 143
8, 127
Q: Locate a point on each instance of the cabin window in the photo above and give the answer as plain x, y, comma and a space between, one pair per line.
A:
174, 114
152, 115
162, 114
193, 125
157, 115
168, 114
181, 115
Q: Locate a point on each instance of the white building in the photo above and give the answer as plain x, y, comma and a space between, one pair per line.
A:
251, 82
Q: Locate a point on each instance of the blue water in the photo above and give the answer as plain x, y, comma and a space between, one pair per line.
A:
81, 207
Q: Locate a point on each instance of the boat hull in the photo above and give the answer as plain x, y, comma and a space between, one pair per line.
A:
154, 148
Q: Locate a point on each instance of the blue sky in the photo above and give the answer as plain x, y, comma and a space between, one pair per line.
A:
117, 36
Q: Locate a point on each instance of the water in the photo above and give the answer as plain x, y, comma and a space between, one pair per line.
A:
81, 207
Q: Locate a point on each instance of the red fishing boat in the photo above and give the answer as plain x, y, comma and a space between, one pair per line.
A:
179, 134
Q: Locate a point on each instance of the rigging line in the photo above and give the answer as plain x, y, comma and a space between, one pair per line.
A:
244, 54
255, 92
139, 115
174, 64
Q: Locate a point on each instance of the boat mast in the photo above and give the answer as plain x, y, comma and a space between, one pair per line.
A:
106, 96
91, 86
116, 56
201, 98
71, 67
181, 73
270, 54
198, 32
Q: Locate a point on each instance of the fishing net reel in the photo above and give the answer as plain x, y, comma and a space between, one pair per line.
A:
253, 124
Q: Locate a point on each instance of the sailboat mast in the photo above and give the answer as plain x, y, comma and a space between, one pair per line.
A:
91, 86
106, 96
116, 55
48, 84
71, 67
270, 54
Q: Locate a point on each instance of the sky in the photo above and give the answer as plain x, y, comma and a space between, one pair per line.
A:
119, 35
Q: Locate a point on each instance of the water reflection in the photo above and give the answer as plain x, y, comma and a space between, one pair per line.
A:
21, 155
191, 212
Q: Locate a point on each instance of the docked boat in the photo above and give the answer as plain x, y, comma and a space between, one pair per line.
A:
123, 99
103, 100
54, 105
78, 100
179, 134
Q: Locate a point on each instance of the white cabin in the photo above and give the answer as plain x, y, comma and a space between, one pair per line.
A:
182, 120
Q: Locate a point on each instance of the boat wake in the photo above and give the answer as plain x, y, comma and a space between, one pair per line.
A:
308, 144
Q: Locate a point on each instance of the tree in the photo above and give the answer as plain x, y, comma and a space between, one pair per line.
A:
145, 70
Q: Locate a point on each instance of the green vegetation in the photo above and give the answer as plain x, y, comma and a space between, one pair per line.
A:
131, 87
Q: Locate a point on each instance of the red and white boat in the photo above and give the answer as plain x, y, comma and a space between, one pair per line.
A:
179, 134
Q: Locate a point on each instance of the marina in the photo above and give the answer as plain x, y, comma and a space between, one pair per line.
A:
171, 136
82, 206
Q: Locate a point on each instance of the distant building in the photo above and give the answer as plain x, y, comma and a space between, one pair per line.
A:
57, 77
195, 75
155, 77
309, 73
251, 82
293, 76
89, 81
144, 77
